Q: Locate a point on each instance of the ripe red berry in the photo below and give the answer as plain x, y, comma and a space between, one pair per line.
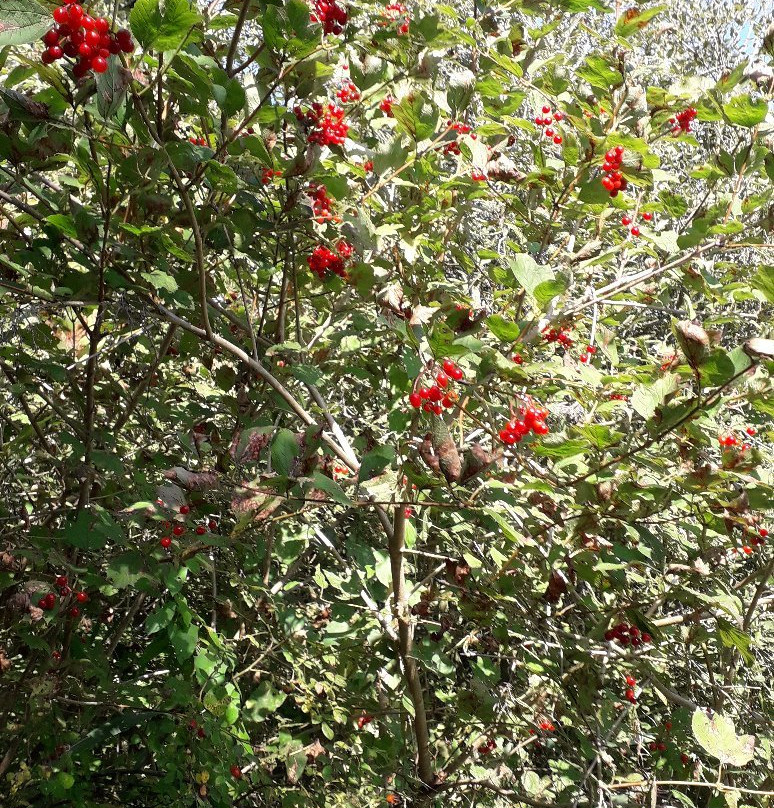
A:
635, 231
667, 725
102, 25
630, 680
546, 110
647, 216
200, 733
646, 638
178, 530
236, 772
99, 64
751, 430
630, 695
60, 14
584, 358
166, 542
75, 612
61, 580
518, 359
92, 38
763, 532
212, 524
448, 366
442, 379
435, 394
558, 140
81, 597
200, 530
185, 509
51, 37
75, 14
549, 132
415, 400
625, 221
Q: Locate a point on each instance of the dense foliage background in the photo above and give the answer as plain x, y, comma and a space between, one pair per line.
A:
364, 442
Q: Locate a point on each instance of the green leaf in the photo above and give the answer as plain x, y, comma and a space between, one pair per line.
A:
527, 272
648, 397
717, 368
599, 74
419, 117
145, 21
264, 701
284, 449
732, 637
22, 21
763, 281
160, 280
719, 739
502, 328
375, 461
165, 31
111, 88
546, 291
183, 640
229, 93
743, 111
634, 19
330, 487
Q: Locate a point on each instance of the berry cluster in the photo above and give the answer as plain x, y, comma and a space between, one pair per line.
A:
487, 747
363, 720
754, 542
560, 335
625, 635
178, 530
529, 418
544, 120
439, 395
397, 13
48, 602
547, 726
618, 397
729, 440
682, 121
386, 106
585, 357
330, 15
613, 181
321, 204
85, 38
198, 141
268, 174
348, 92
326, 124
627, 221
477, 176
630, 684
322, 260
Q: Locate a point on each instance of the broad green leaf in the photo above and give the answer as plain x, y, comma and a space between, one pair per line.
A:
502, 328
183, 640
22, 21
284, 449
718, 738
599, 74
742, 110
111, 88
375, 461
648, 397
264, 701
634, 19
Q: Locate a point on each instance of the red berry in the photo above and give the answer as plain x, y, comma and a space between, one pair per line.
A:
630, 680
102, 25
99, 64
166, 542
435, 393
549, 132
200, 530
61, 580
584, 358
236, 772
751, 430
546, 110
667, 725
625, 221
415, 400
92, 38
442, 379
558, 140
184, 509
646, 637
212, 524
540, 428
518, 359
86, 51
449, 367
200, 733
635, 231
51, 37
81, 597
60, 14
763, 532
647, 216
87, 22
75, 612
75, 14
178, 530
630, 695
